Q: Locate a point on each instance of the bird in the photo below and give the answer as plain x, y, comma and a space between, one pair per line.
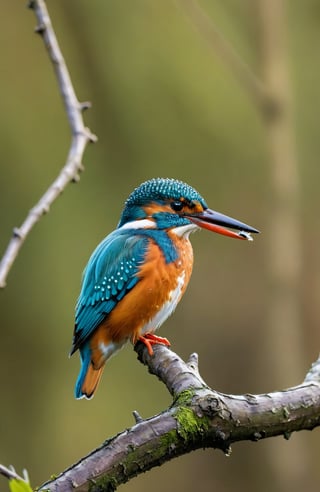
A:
138, 273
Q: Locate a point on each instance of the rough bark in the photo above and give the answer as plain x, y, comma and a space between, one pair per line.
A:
199, 417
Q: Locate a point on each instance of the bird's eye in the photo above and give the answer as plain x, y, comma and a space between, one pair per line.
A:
177, 206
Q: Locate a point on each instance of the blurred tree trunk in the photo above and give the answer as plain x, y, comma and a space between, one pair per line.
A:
283, 324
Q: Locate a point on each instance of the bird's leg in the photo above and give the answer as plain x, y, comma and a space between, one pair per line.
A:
150, 339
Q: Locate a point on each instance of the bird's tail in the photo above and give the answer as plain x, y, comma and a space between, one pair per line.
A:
90, 382
89, 377
92, 365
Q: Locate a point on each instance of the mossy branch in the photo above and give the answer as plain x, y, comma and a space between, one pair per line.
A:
199, 417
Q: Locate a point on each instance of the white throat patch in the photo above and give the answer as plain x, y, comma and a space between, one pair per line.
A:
184, 231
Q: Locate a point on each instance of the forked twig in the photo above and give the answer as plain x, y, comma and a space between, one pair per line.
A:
11, 474
81, 136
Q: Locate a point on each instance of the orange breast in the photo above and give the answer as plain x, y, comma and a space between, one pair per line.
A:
160, 288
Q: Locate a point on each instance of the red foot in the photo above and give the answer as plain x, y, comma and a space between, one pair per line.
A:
150, 339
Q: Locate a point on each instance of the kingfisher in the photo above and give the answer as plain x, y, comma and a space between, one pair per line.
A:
136, 276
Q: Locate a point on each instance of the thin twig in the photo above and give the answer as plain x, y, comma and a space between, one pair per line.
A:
81, 136
221, 46
11, 474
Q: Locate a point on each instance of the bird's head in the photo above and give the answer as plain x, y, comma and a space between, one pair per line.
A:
164, 203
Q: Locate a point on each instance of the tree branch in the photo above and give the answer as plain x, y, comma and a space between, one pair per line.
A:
81, 136
198, 418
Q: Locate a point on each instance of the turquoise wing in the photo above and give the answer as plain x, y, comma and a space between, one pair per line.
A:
110, 273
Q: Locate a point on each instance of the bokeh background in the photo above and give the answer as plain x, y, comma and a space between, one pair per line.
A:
166, 102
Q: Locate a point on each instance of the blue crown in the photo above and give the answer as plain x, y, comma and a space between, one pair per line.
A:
157, 190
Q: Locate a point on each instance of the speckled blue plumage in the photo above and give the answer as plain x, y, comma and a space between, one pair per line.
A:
157, 190
112, 268
109, 275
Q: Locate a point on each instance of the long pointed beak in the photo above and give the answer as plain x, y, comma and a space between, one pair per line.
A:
216, 222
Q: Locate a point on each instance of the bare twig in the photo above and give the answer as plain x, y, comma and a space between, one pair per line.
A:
81, 136
11, 474
198, 418
221, 46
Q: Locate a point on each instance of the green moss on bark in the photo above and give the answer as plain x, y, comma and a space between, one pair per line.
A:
189, 425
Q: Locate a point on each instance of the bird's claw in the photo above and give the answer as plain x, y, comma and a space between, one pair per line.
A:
150, 339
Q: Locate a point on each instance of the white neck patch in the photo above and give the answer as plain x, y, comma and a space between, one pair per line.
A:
139, 224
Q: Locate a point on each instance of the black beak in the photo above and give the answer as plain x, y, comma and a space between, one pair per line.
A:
217, 222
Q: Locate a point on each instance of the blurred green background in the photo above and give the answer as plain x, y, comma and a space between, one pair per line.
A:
163, 105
